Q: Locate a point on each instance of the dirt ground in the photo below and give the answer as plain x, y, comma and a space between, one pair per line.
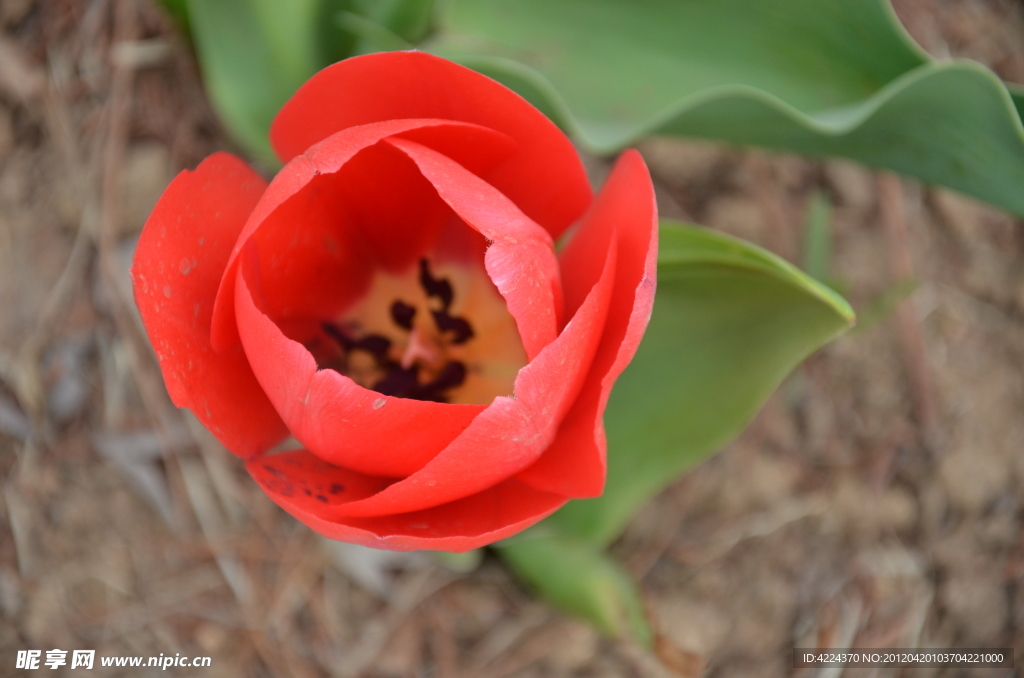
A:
876, 501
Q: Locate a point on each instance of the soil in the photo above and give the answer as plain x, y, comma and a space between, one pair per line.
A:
876, 501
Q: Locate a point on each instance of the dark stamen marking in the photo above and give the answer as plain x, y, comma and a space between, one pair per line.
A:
449, 323
399, 382
402, 313
322, 498
435, 287
337, 488
402, 382
376, 345
453, 374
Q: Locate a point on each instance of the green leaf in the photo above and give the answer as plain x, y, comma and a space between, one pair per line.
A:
334, 43
813, 77
370, 35
385, 25
408, 19
730, 322
254, 54
581, 579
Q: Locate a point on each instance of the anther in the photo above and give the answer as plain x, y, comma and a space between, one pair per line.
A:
424, 349
403, 314
399, 382
461, 328
435, 287
376, 345
453, 374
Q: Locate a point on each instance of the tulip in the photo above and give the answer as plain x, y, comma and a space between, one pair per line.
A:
393, 299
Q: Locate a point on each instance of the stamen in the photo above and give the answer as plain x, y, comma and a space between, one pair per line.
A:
435, 287
449, 323
453, 374
404, 383
399, 382
376, 360
403, 314
376, 345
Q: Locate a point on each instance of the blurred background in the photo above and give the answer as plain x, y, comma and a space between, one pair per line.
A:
876, 500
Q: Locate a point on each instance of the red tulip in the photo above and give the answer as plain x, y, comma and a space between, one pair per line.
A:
393, 299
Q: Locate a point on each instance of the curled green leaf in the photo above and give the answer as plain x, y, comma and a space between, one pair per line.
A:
812, 77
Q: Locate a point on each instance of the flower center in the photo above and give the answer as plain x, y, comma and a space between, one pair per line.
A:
412, 336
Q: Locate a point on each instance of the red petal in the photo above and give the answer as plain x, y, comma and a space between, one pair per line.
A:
342, 422
625, 217
309, 482
521, 259
545, 177
178, 264
512, 432
312, 221
472, 522
319, 249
